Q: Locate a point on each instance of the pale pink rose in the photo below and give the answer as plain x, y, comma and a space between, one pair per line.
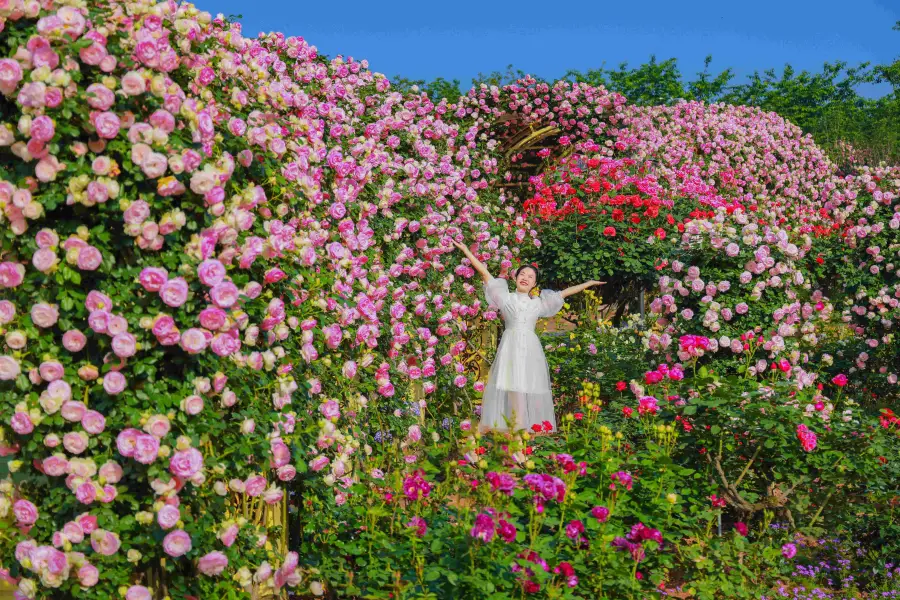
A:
174, 292
73, 411
73, 532
254, 486
86, 493
126, 441
16, 340
55, 465
51, 440
44, 315
168, 516
137, 212
193, 341
186, 463
211, 272
46, 238
93, 422
177, 543
229, 535
157, 426
133, 83
21, 423
213, 563
42, 129
146, 448
88, 575
281, 454
107, 125
51, 370
104, 542
101, 165
9, 368
114, 383
124, 345
192, 405
116, 325
75, 442
111, 472
138, 592
7, 312
25, 512
73, 340
287, 473
89, 258
10, 75
153, 278
44, 260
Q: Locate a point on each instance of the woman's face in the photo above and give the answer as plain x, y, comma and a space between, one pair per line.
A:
525, 279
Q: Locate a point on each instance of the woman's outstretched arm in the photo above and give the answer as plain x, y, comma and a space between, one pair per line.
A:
571, 291
476, 264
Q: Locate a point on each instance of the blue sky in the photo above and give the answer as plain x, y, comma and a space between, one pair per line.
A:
459, 39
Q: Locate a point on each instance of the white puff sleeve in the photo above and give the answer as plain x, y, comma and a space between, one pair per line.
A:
551, 303
496, 291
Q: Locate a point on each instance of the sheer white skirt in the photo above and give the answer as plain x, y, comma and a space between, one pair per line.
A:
518, 393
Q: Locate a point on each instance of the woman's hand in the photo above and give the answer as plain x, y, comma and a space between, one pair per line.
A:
593, 283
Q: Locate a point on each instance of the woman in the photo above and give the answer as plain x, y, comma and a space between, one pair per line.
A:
518, 390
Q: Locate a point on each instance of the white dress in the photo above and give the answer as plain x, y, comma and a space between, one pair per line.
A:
518, 392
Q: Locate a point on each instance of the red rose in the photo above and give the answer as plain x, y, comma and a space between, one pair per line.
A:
621, 386
536, 428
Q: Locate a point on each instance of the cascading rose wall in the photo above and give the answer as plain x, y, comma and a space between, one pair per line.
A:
201, 231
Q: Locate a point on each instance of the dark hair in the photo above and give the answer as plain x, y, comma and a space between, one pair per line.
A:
537, 274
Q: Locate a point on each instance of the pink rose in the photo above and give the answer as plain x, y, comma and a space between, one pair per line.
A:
73, 411
193, 341
174, 292
89, 258
11, 274
114, 383
55, 465
93, 422
98, 321
224, 294
25, 512
126, 441
186, 463
44, 315
75, 442
287, 473
146, 448
116, 325
51, 370
254, 486
153, 278
168, 516
213, 318
124, 345
42, 129
137, 212
192, 405
86, 493
211, 272
99, 96
9, 368
157, 426
177, 543
73, 340
46, 238
88, 523
98, 301
112, 472
138, 592
7, 312
44, 260
104, 542
88, 575
107, 125
21, 423
10, 75
212, 564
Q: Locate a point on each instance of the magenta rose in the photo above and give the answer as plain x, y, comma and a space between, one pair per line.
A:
212, 564
25, 512
44, 315
73, 340
153, 278
212, 318
254, 486
211, 272
186, 463
21, 423
146, 448
168, 516
86, 493
114, 383
177, 543
174, 292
